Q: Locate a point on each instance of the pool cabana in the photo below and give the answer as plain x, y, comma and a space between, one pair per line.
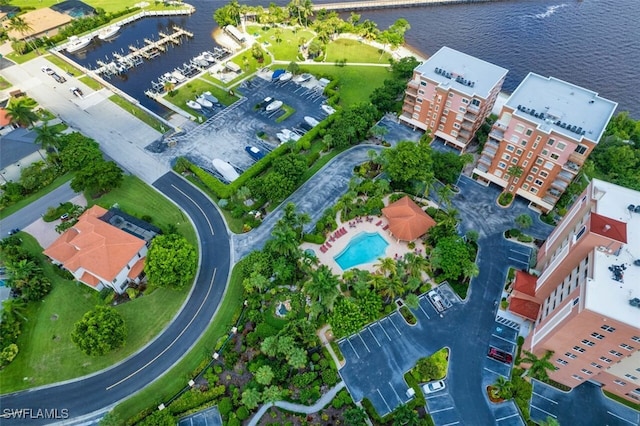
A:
407, 221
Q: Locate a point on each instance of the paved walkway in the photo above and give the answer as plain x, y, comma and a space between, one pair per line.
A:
313, 197
298, 408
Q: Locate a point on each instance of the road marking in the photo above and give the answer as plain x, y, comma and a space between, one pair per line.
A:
507, 417
495, 372
374, 338
394, 326
384, 400
354, 349
423, 311
365, 345
385, 331
544, 397
621, 418
451, 424
546, 412
442, 409
394, 391
526, 253
195, 204
503, 338
518, 260
174, 340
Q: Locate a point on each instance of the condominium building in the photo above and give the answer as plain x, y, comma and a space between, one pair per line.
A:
584, 298
546, 130
450, 95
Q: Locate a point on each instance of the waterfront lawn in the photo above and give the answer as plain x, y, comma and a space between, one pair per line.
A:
352, 91
107, 5
138, 199
90, 82
63, 65
355, 51
195, 88
47, 354
139, 113
287, 48
31, 198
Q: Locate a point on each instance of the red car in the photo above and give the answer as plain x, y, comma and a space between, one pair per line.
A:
499, 355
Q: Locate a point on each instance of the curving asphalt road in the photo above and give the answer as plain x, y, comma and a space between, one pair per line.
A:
93, 393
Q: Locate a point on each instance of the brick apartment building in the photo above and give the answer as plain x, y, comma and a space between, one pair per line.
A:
585, 301
450, 95
548, 128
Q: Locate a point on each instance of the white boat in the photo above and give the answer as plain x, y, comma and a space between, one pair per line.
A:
208, 56
178, 76
282, 137
273, 106
200, 61
108, 32
225, 169
327, 109
286, 76
204, 102
302, 78
169, 78
76, 43
194, 105
291, 135
208, 96
311, 121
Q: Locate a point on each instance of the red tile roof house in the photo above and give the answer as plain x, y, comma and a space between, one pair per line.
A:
98, 254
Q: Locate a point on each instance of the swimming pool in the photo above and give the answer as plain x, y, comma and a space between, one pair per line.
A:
363, 248
2, 284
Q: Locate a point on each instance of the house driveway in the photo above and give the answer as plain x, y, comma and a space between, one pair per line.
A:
45, 232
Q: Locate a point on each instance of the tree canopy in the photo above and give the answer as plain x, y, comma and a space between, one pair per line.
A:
452, 256
100, 176
100, 331
409, 161
171, 261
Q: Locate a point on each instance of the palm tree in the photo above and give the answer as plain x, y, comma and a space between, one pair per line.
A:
539, 366
405, 416
470, 270
48, 136
250, 398
369, 30
502, 388
445, 194
415, 265
18, 24
255, 281
386, 266
306, 11
168, 86
412, 301
323, 287
21, 114
14, 307
513, 172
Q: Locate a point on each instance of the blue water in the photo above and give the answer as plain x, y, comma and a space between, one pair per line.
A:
2, 284
363, 248
591, 43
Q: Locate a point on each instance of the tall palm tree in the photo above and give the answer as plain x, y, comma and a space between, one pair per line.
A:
415, 264
538, 366
306, 11
48, 136
21, 114
17, 23
386, 266
513, 172
323, 287
502, 388
13, 308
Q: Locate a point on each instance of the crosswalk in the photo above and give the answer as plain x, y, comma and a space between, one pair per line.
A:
508, 323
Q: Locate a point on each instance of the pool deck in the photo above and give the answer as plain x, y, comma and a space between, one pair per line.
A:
353, 228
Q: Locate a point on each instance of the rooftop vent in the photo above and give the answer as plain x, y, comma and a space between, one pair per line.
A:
635, 302
618, 272
636, 262
637, 209
631, 207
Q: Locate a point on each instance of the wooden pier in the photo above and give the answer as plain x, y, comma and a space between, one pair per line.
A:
389, 4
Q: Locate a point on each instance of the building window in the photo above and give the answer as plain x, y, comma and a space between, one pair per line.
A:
554, 156
447, 104
561, 361
625, 346
548, 165
519, 128
550, 142
435, 116
630, 376
514, 138
529, 178
475, 102
587, 372
525, 163
462, 109
535, 145
525, 186
519, 151
538, 182
416, 116
597, 335
445, 111
587, 342
437, 108
441, 127
544, 174
456, 126
421, 92
417, 108
545, 152
539, 161
514, 160
634, 338
534, 170
423, 83
529, 132
510, 148
581, 149
454, 133
579, 349
561, 146
619, 382
529, 154
465, 101
419, 100
502, 165
612, 329
450, 95
605, 359
433, 123
596, 365
570, 355
575, 376
535, 191
615, 353
578, 235
523, 142
506, 157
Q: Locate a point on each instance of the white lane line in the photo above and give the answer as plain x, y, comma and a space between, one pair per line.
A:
385, 331
544, 397
423, 311
502, 338
354, 349
394, 326
374, 338
384, 400
495, 372
394, 391
174, 340
195, 204
365, 345
518, 260
621, 418
451, 424
526, 253
507, 417
442, 409
546, 412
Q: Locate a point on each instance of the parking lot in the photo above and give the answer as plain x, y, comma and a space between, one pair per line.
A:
380, 354
503, 338
520, 254
443, 409
230, 130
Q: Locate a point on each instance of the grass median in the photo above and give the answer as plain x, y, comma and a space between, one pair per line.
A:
139, 113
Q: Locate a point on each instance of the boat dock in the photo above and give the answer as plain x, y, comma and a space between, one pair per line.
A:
150, 49
389, 4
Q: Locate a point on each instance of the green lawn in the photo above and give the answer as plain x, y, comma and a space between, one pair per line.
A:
175, 379
31, 198
4, 84
139, 113
90, 82
249, 65
193, 89
351, 89
107, 5
355, 52
138, 199
63, 65
47, 354
287, 48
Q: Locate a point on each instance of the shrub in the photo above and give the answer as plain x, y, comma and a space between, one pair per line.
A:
314, 238
525, 238
505, 198
225, 406
242, 413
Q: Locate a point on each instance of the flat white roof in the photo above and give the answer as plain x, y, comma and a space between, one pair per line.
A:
567, 109
604, 293
462, 72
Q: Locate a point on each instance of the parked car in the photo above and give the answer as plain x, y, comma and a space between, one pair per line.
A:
76, 91
14, 231
58, 78
433, 387
47, 70
499, 355
64, 217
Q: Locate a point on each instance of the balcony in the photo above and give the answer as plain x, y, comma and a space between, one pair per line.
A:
462, 140
482, 167
554, 193
549, 200
485, 159
489, 151
491, 143
560, 184
473, 109
571, 166
564, 175
408, 108
497, 134
467, 125
469, 116
409, 101
464, 133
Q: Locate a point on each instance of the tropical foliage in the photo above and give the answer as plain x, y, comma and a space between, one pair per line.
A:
171, 261
99, 331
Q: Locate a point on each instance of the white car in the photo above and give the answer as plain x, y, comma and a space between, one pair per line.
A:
47, 70
433, 387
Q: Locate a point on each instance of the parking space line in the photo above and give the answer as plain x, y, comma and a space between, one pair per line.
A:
546, 412
385, 331
544, 397
394, 326
491, 371
423, 311
507, 417
526, 253
621, 418
394, 391
385, 401
451, 424
442, 409
354, 349
365, 345
518, 260
502, 338
374, 337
